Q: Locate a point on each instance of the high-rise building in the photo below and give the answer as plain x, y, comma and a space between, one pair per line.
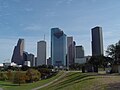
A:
70, 51
31, 58
17, 56
79, 55
49, 62
41, 53
97, 41
58, 47
79, 52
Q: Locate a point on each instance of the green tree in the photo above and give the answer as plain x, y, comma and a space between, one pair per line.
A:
9, 75
3, 76
113, 51
98, 61
33, 75
19, 77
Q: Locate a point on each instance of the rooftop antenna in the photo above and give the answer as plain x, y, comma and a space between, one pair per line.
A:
44, 37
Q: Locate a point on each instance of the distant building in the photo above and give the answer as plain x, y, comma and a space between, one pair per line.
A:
7, 64
25, 56
17, 56
79, 55
27, 63
97, 41
49, 61
80, 60
41, 53
79, 52
31, 58
70, 51
58, 47
35, 61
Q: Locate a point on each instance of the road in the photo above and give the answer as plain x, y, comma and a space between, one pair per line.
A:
50, 82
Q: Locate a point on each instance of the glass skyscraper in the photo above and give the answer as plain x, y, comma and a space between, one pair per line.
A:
58, 47
97, 41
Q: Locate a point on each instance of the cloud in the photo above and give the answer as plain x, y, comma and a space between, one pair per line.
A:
28, 9
108, 34
32, 28
63, 2
69, 1
17, 1
50, 14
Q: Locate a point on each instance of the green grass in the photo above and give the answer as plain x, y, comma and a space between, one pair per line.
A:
11, 86
81, 81
72, 81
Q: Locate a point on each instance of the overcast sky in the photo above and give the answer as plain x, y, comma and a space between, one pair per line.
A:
32, 19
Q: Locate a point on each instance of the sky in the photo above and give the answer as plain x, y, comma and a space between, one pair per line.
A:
32, 19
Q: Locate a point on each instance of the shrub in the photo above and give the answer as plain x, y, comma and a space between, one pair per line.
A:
19, 77
10, 75
3, 76
33, 75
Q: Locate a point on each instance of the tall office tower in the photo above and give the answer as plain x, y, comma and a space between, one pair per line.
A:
70, 51
17, 56
58, 47
97, 41
79, 52
31, 58
41, 53
25, 56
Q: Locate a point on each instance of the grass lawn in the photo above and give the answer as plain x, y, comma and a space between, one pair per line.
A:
11, 86
83, 81
71, 81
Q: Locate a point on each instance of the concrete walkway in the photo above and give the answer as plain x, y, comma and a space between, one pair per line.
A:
50, 82
1, 89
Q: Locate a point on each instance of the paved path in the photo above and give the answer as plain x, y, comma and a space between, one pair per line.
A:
1, 89
50, 82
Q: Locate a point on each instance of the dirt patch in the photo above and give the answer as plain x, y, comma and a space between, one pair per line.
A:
113, 86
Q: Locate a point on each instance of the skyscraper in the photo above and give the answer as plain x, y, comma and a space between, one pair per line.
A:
17, 56
79, 52
79, 55
31, 58
70, 51
41, 53
58, 47
97, 41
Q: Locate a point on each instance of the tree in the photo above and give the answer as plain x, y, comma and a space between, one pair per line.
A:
24, 68
3, 76
9, 75
33, 75
19, 77
113, 51
97, 61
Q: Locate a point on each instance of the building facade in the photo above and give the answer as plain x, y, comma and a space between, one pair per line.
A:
17, 56
79, 55
41, 53
97, 41
58, 47
31, 58
79, 52
70, 51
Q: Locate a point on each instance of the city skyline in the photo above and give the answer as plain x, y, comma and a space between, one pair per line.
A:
30, 20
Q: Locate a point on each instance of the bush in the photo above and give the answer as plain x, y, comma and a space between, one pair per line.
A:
10, 75
3, 76
33, 75
19, 77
